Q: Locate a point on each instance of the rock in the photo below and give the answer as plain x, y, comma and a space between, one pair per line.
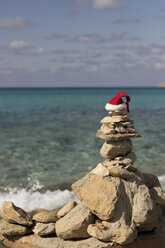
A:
13, 214
151, 180
118, 112
105, 129
111, 150
154, 239
115, 119
100, 196
44, 229
126, 160
78, 185
74, 224
13, 229
45, 217
125, 123
120, 172
105, 231
144, 212
116, 137
66, 209
121, 129
158, 195
101, 170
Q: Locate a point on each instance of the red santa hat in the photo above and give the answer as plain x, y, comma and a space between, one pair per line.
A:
117, 102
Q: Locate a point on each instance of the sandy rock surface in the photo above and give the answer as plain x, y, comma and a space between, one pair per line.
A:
45, 217
110, 150
44, 229
13, 229
13, 214
74, 224
66, 209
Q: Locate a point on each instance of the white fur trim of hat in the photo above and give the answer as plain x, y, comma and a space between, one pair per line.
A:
111, 107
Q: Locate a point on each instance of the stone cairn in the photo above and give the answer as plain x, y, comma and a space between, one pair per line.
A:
116, 200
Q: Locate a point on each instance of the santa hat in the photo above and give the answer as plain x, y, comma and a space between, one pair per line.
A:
117, 102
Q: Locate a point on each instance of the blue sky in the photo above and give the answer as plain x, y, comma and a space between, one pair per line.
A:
66, 43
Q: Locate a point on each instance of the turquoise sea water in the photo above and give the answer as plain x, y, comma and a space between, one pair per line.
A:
48, 136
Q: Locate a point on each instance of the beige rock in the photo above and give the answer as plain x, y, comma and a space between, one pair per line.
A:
13, 229
125, 123
118, 112
121, 129
154, 239
116, 137
126, 160
158, 195
120, 172
13, 214
66, 209
144, 213
111, 150
45, 217
151, 180
100, 170
105, 231
105, 129
74, 224
44, 229
78, 185
115, 119
100, 197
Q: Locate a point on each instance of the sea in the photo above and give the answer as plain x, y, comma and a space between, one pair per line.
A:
48, 139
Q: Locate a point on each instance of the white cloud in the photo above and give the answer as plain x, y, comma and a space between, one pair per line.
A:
159, 65
16, 22
22, 48
17, 44
107, 4
90, 38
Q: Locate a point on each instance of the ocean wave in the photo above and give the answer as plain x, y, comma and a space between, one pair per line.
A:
29, 200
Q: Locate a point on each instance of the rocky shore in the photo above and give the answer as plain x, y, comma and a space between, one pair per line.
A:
120, 206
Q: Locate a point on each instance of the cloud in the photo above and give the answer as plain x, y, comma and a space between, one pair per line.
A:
117, 35
20, 47
159, 65
107, 4
16, 22
90, 38
127, 20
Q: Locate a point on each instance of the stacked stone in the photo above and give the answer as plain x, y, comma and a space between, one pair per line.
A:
117, 130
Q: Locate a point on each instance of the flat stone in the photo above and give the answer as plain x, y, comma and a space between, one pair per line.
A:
13, 214
115, 119
100, 197
44, 229
126, 123
45, 217
66, 209
118, 112
116, 137
74, 224
120, 172
101, 170
125, 160
13, 229
105, 129
110, 150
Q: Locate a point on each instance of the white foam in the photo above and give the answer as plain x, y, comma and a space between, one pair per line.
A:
29, 200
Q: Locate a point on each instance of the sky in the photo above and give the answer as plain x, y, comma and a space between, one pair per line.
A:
82, 43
